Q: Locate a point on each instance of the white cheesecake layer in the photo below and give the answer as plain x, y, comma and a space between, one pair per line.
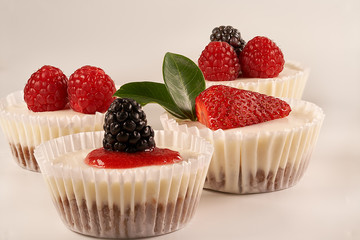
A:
62, 164
130, 190
289, 84
29, 129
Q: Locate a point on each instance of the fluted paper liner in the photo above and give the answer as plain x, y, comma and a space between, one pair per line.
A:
257, 162
125, 203
288, 86
24, 131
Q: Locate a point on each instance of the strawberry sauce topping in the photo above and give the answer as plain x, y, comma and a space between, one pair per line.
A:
101, 158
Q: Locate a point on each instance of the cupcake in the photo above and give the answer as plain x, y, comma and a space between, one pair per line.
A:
108, 185
261, 143
51, 106
257, 65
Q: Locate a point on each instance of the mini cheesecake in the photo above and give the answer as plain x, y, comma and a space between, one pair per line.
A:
261, 143
25, 129
126, 202
289, 84
263, 157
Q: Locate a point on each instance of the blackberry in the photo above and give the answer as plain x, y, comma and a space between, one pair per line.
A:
230, 35
125, 127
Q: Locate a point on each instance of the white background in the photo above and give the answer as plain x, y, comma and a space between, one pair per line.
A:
128, 39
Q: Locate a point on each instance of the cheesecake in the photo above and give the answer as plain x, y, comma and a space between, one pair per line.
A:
126, 202
262, 157
25, 129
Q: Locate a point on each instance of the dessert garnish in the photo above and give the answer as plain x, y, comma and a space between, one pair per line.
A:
46, 90
90, 90
258, 58
223, 107
101, 158
219, 62
261, 58
183, 82
230, 35
128, 140
219, 107
126, 128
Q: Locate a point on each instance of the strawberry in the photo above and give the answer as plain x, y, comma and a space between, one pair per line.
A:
223, 107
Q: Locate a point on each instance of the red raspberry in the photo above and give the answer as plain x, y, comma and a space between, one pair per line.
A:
46, 90
223, 107
90, 90
261, 58
219, 62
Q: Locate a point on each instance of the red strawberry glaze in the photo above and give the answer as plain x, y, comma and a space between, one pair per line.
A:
101, 158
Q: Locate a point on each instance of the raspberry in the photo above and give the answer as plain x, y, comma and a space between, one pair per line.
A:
261, 58
223, 107
219, 62
90, 90
125, 127
46, 90
230, 35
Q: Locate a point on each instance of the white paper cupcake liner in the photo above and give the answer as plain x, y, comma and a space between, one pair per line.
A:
288, 86
24, 131
264, 161
125, 203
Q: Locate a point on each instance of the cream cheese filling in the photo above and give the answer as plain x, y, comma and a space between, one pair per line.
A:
27, 128
289, 84
124, 191
21, 108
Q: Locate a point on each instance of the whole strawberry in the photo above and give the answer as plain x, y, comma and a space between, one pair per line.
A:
223, 107
46, 90
261, 58
90, 90
219, 62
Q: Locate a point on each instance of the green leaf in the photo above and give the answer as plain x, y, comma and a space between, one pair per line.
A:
150, 92
184, 81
